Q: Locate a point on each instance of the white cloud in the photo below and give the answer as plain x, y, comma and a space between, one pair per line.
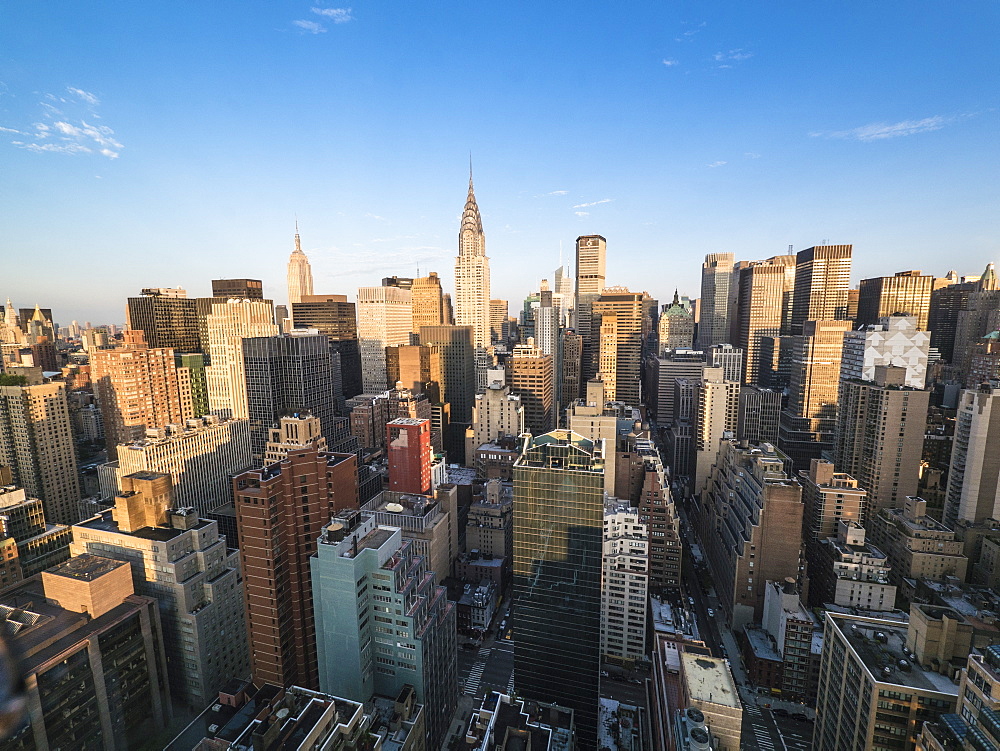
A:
336, 15
881, 131
593, 203
376, 217
670, 63
86, 96
739, 55
558, 193
64, 131
752, 155
582, 213
717, 164
309, 27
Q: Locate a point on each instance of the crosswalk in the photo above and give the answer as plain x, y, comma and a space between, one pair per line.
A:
510, 685
763, 739
476, 674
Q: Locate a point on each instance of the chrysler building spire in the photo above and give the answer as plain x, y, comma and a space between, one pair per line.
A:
300, 280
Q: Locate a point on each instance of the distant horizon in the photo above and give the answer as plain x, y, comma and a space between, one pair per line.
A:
150, 146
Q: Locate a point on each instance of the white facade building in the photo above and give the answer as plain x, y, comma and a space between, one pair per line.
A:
624, 583
974, 475
228, 323
385, 319
894, 340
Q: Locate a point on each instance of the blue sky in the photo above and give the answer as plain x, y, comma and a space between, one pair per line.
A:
166, 144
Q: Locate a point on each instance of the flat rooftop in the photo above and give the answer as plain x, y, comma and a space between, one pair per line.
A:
709, 680
106, 523
86, 567
876, 655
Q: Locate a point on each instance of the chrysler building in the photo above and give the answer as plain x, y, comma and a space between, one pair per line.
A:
472, 281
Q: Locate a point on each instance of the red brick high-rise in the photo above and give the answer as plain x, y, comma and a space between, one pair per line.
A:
408, 444
280, 512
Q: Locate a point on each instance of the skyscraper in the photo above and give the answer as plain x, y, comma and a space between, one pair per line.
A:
617, 322
676, 326
137, 388
300, 280
715, 412
498, 319
333, 316
280, 512
763, 309
472, 281
167, 317
428, 302
822, 280
907, 292
894, 341
558, 530
455, 345
287, 374
529, 373
228, 322
591, 252
807, 423
974, 474
36, 442
245, 289
716, 278
385, 319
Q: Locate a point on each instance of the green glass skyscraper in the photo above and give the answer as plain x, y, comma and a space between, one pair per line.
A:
558, 527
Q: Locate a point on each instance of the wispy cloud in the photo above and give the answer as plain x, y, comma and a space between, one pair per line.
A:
400, 259
737, 55
670, 63
717, 164
68, 128
593, 203
376, 217
689, 35
557, 193
582, 213
334, 15
882, 131
309, 27
752, 155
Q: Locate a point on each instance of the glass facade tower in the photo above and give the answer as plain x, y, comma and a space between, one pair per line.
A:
558, 529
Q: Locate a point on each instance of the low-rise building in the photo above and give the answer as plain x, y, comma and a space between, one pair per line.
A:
707, 684
848, 571
507, 722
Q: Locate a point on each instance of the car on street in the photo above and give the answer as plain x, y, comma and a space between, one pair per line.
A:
780, 712
469, 645
801, 717
690, 601
711, 613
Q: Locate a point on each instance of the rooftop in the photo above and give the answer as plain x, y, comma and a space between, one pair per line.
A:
163, 533
881, 647
709, 679
86, 567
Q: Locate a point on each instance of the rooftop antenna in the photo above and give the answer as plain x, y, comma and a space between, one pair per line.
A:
790, 249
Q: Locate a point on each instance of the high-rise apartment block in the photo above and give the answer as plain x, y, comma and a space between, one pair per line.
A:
980, 317
918, 546
830, 497
880, 435
822, 280
167, 318
92, 657
192, 383
847, 571
880, 680
908, 292
764, 308
947, 302
281, 511
591, 255
408, 446
750, 519
974, 473
716, 278
715, 413
807, 423
36, 442
558, 529
497, 412
529, 373
336, 318
200, 458
180, 561
382, 623
658, 513
454, 345
137, 388
572, 352
385, 319
617, 322
300, 281
661, 374
499, 313
417, 367
625, 584
227, 323
39, 545
893, 340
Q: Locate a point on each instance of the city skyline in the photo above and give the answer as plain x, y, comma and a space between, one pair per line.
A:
697, 131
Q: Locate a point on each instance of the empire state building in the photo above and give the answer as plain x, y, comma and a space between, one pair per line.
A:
472, 280
300, 278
